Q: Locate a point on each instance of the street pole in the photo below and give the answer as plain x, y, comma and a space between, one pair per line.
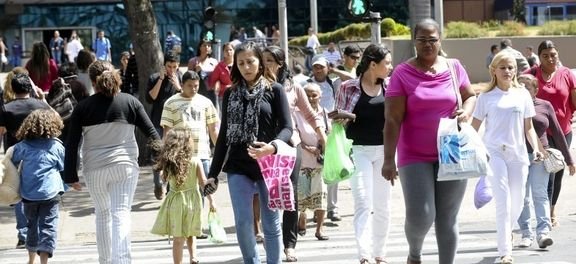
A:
283, 27
376, 35
439, 14
314, 16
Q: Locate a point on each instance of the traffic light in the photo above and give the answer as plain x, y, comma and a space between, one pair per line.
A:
209, 23
359, 8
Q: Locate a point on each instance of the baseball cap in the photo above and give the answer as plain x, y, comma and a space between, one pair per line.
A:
320, 60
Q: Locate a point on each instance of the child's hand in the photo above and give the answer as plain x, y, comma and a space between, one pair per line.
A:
76, 186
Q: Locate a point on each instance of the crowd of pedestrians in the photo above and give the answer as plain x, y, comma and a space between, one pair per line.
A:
224, 116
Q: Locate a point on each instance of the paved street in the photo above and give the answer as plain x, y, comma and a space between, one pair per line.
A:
477, 245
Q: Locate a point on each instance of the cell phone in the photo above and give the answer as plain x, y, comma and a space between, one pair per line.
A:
251, 144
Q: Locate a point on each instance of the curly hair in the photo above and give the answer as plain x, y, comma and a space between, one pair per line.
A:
108, 83
175, 155
9, 94
41, 123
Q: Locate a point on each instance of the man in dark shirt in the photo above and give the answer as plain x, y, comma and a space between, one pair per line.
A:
12, 115
161, 86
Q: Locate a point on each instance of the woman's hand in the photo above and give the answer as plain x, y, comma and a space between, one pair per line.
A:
389, 171
259, 149
571, 169
210, 187
314, 150
461, 115
538, 156
341, 121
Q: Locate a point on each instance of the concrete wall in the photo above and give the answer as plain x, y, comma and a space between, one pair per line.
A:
472, 52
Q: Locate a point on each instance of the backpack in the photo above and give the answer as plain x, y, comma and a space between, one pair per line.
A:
61, 99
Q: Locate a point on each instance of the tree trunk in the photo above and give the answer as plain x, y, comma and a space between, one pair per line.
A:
149, 56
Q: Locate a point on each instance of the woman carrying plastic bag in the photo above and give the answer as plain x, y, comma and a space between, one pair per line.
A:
337, 163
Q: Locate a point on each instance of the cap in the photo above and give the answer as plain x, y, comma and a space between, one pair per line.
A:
320, 60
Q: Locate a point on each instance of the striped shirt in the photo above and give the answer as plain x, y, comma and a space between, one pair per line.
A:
195, 113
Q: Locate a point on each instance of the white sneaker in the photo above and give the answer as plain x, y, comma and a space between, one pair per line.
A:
526, 242
544, 241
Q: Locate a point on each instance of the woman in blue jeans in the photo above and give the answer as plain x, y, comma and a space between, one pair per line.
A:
538, 177
254, 111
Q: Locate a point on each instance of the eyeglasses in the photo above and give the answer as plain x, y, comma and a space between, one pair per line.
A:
432, 41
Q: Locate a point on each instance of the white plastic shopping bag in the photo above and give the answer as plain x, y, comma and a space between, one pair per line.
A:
461, 152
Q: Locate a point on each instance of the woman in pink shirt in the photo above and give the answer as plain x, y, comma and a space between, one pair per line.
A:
42, 69
557, 85
419, 94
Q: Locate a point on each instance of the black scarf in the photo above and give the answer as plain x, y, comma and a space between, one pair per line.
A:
243, 112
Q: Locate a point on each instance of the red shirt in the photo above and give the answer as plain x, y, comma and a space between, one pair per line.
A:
45, 83
557, 91
221, 73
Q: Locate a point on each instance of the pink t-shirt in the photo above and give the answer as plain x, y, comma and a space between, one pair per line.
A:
429, 97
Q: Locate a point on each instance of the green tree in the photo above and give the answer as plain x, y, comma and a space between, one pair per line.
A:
518, 11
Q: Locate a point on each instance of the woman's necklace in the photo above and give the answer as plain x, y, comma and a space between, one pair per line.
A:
547, 76
425, 67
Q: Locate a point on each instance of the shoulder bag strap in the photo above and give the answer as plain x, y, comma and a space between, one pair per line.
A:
454, 79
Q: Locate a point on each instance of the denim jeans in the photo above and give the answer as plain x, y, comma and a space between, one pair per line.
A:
536, 192
57, 56
241, 190
21, 221
42, 225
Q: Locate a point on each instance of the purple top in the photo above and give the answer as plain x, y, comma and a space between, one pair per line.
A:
429, 97
546, 119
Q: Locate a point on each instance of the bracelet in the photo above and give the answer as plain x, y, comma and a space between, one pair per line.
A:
275, 147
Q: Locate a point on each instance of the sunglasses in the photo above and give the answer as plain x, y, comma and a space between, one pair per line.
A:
354, 57
432, 41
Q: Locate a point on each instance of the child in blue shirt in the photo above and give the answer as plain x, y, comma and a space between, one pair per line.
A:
42, 156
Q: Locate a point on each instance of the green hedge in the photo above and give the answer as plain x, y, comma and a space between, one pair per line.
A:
461, 29
511, 28
559, 28
355, 31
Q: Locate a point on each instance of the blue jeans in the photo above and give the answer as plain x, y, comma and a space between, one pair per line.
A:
21, 221
536, 192
57, 56
241, 190
42, 225
16, 61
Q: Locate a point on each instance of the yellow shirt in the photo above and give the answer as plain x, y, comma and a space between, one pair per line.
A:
195, 113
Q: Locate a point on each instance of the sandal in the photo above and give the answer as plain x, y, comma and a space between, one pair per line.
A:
506, 260
380, 261
364, 261
194, 261
290, 257
554, 221
319, 236
302, 231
